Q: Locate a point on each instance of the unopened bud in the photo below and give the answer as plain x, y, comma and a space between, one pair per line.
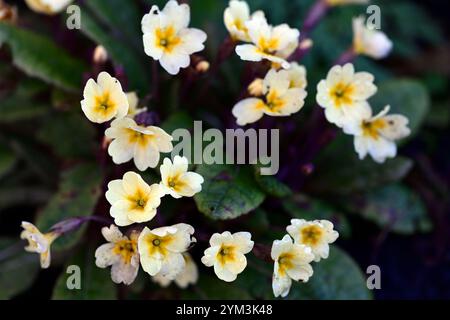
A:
100, 55
256, 87
202, 66
306, 44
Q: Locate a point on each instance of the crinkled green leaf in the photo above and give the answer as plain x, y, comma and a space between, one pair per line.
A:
271, 185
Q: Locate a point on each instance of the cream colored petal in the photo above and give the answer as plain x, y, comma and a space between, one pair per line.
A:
248, 111
124, 272
104, 255
281, 285
112, 233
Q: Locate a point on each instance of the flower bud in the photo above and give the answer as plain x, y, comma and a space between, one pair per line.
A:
256, 87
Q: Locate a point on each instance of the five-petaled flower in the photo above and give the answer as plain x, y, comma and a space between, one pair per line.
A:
161, 249
366, 41
49, 7
121, 253
280, 99
189, 275
140, 143
177, 181
292, 262
132, 199
344, 94
227, 254
38, 242
275, 44
167, 37
236, 16
376, 135
317, 235
104, 99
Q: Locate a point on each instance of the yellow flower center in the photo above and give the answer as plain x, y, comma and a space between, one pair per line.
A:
273, 102
311, 235
226, 254
285, 263
139, 137
139, 200
126, 249
268, 46
371, 129
157, 244
175, 183
342, 94
167, 39
104, 104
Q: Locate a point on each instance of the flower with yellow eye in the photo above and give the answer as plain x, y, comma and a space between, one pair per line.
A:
235, 17
177, 181
270, 43
296, 75
292, 262
278, 99
344, 94
344, 2
317, 235
133, 102
38, 242
104, 99
121, 253
132, 199
227, 254
161, 249
167, 37
140, 143
377, 135
189, 275
49, 7
372, 43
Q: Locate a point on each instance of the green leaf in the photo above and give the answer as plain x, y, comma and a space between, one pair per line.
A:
301, 207
7, 160
38, 56
18, 268
395, 207
228, 191
96, 283
335, 278
11, 196
79, 191
177, 120
407, 97
271, 185
17, 108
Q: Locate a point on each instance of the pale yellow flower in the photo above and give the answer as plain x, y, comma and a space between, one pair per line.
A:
140, 143
372, 43
132, 199
104, 99
376, 135
133, 102
235, 17
296, 75
292, 262
121, 253
280, 99
317, 235
167, 37
48, 7
189, 275
38, 242
161, 249
177, 181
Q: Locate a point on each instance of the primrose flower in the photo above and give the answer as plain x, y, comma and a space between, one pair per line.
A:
167, 37
317, 235
177, 181
104, 99
49, 7
189, 275
227, 254
121, 253
140, 143
132, 200
372, 43
161, 249
292, 262
377, 135
38, 242
344, 2
278, 100
271, 43
133, 102
344, 94
235, 17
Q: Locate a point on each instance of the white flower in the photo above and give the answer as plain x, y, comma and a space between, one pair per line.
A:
133, 102
189, 275
372, 43
132, 200
376, 135
344, 94
296, 75
104, 99
167, 37
344, 2
177, 181
235, 16
49, 7
317, 235
271, 43
292, 262
161, 250
38, 242
279, 99
121, 253
140, 143
227, 254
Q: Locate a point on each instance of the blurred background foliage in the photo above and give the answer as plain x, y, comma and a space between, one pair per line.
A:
52, 166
